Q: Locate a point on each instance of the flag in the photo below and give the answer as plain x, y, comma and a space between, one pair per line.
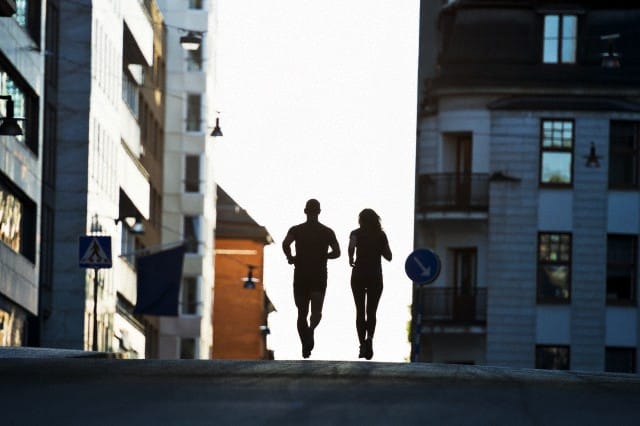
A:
159, 277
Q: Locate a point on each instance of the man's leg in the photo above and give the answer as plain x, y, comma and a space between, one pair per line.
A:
301, 297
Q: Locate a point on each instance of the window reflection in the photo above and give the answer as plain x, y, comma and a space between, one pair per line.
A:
10, 219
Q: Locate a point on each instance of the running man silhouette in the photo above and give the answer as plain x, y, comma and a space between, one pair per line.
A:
369, 243
315, 243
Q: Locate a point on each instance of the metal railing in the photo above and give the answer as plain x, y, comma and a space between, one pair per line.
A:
446, 304
453, 192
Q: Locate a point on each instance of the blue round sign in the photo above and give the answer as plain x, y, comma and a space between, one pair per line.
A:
422, 266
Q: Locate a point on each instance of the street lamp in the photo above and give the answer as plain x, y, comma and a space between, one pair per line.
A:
137, 228
191, 41
9, 126
216, 130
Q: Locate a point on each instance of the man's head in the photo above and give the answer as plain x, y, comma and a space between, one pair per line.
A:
312, 207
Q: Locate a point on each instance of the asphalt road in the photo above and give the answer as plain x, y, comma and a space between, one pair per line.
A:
119, 392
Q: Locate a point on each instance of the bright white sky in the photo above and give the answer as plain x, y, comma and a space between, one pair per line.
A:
318, 100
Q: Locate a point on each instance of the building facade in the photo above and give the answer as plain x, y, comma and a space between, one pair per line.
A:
21, 156
105, 118
189, 187
241, 305
527, 184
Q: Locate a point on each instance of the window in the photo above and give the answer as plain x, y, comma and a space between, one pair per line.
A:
17, 220
130, 92
192, 173
620, 360
191, 233
560, 39
194, 59
556, 152
623, 154
554, 267
552, 357
621, 268
187, 348
25, 104
189, 296
193, 113
195, 4
28, 16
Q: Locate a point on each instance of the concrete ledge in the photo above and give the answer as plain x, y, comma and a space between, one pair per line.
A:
206, 369
22, 352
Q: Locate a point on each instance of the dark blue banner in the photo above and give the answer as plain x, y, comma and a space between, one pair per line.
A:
159, 277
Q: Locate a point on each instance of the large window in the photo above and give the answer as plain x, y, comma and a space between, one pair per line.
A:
25, 105
621, 268
623, 154
560, 39
187, 348
192, 173
17, 220
556, 152
620, 360
193, 113
554, 267
191, 233
194, 59
189, 300
549, 357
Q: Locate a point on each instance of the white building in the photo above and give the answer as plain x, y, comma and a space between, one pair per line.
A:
189, 187
539, 244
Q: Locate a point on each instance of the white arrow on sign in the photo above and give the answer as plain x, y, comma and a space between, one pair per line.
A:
425, 271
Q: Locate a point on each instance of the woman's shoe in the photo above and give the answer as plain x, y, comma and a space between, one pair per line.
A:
368, 352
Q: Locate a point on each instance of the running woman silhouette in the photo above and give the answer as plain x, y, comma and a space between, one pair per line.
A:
368, 243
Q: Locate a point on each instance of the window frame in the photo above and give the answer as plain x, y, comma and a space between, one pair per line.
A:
28, 220
192, 245
607, 361
189, 112
540, 348
560, 40
633, 266
616, 151
540, 297
188, 307
552, 149
192, 184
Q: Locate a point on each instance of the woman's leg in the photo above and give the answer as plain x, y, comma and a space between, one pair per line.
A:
359, 297
373, 298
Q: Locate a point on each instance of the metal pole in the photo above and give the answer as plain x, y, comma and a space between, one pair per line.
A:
418, 322
95, 309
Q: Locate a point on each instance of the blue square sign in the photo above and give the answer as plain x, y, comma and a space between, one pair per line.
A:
94, 252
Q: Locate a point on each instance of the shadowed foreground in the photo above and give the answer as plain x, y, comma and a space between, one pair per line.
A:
73, 391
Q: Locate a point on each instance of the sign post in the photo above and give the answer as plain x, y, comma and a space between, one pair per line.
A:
94, 252
422, 267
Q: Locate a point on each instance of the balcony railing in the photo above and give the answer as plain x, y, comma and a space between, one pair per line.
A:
452, 192
449, 305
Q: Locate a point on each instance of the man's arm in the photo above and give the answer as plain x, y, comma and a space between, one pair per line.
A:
334, 253
286, 246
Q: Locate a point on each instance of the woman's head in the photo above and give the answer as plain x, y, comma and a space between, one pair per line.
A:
369, 220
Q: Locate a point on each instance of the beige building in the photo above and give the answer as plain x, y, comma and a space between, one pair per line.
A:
189, 188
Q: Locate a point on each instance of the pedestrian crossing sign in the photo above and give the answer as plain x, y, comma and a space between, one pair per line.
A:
94, 252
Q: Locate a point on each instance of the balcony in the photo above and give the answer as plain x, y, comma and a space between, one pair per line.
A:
448, 306
447, 193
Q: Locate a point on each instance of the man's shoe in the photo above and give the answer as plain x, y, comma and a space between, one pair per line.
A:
306, 352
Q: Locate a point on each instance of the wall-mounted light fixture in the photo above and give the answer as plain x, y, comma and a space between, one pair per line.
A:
593, 160
249, 281
191, 41
10, 126
610, 58
137, 228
